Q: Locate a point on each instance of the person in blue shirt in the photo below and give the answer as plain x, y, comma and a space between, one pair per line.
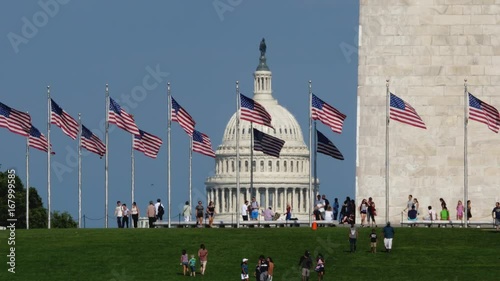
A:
388, 233
244, 270
412, 214
192, 266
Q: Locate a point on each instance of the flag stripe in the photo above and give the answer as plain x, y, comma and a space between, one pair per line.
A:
14, 120
403, 112
254, 112
147, 144
121, 118
180, 115
63, 120
38, 140
92, 143
325, 146
267, 144
484, 113
202, 144
327, 114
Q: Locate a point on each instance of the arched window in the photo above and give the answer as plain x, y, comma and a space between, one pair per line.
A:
253, 165
285, 131
246, 166
227, 166
277, 166
284, 166
232, 166
262, 166
239, 166
270, 166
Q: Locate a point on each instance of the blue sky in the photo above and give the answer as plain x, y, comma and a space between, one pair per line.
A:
202, 48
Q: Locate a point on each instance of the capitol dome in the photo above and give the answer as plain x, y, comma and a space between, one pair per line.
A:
275, 182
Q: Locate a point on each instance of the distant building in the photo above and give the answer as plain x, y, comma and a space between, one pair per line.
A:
276, 181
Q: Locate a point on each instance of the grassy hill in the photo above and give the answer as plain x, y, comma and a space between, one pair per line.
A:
153, 254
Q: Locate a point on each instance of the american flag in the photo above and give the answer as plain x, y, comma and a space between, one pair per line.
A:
147, 143
325, 146
484, 113
202, 144
92, 143
403, 112
63, 120
327, 114
254, 112
121, 118
16, 121
178, 114
37, 140
267, 144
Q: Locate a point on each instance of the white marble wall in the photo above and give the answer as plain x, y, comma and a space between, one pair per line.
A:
426, 48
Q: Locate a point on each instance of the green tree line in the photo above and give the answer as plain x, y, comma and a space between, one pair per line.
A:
37, 213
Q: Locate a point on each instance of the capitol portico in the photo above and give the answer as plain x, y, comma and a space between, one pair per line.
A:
276, 181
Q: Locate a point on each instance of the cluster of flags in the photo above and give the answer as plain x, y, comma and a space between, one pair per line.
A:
332, 118
200, 142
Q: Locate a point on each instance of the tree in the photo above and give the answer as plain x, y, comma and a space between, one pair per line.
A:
38, 214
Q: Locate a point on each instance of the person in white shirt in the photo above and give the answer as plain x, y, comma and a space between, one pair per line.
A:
186, 212
329, 214
244, 211
159, 216
119, 214
432, 215
125, 213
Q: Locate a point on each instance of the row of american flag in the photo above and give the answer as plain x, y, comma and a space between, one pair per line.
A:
20, 123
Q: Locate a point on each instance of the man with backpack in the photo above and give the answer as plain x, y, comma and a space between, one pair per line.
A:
305, 263
160, 210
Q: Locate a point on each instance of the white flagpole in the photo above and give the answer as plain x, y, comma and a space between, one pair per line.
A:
191, 170
132, 158
106, 162
251, 164
387, 100
466, 163
238, 166
49, 109
80, 170
311, 199
27, 183
169, 124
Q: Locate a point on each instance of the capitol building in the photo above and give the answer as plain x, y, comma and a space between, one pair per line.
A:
276, 181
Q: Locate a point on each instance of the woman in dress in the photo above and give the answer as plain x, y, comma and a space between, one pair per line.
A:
460, 210
211, 213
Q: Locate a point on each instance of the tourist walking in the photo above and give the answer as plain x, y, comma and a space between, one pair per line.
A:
388, 232
335, 209
199, 214
363, 209
320, 267
151, 213
125, 213
372, 212
160, 210
270, 269
353, 237
460, 210
305, 264
469, 211
135, 214
192, 266
186, 212
244, 268
184, 262
496, 215
119, 214
254, 206
244, 214
203, 256
373, 241
211, 213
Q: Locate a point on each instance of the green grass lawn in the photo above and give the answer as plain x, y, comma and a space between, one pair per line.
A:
153, 254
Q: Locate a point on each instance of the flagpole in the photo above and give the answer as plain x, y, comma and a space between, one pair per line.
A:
387, 152
169, 124
238, 152
466, 163
311, 199
80, 170
251, 162
191, 169
106, 160
48, 156
315, 141
27, 183
132, 159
